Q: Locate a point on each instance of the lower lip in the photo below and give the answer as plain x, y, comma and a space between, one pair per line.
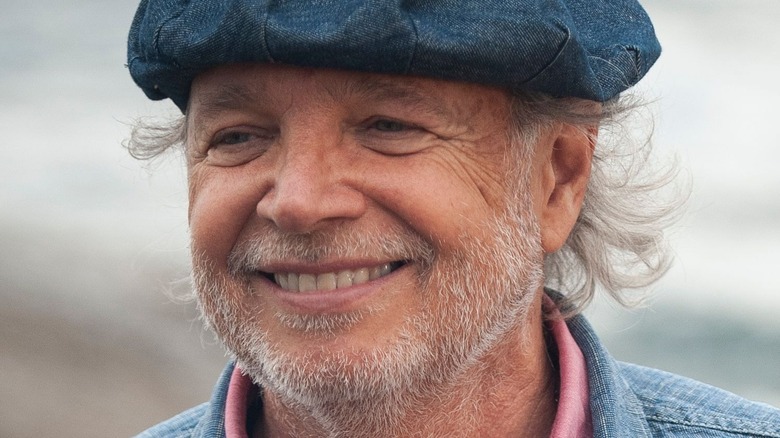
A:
331, 301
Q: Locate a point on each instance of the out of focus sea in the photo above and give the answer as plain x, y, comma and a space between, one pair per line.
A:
92, 243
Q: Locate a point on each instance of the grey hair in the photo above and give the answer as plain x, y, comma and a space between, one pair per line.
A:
150, 137
618, 242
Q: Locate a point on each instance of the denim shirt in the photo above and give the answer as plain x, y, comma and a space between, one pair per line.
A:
626, 401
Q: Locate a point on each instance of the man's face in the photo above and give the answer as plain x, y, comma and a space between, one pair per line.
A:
357, 234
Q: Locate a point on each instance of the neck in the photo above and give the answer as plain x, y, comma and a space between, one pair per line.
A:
510, 391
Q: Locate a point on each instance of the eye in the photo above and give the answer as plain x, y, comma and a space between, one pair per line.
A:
393, 137
386, 125
236, 146
232, 138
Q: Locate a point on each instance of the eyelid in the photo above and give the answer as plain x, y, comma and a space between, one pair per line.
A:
221, 152
412, 138
221, 135
371, 123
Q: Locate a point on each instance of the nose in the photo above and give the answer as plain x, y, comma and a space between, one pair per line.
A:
309, 189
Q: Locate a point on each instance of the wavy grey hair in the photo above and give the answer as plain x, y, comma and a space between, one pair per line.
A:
618, 242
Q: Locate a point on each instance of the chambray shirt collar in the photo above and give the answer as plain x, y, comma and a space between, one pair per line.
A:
212, 423
615, 409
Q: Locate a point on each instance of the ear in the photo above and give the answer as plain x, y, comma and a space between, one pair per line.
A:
566, 156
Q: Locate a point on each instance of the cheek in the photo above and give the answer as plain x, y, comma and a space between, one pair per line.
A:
441, 202
220, 206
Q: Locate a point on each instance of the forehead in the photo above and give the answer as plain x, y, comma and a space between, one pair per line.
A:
240, 86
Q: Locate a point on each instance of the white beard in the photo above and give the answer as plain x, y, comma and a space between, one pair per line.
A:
471, 299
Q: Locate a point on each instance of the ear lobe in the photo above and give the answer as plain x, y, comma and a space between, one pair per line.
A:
566, 178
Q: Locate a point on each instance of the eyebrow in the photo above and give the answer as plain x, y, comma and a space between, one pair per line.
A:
385, 90
237, 96
225, 97
229, 96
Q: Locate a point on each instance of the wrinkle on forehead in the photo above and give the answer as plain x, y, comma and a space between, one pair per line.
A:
229, 96
386, 89
238, 85
249, 88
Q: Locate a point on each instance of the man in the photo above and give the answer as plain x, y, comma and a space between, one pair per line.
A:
379, 194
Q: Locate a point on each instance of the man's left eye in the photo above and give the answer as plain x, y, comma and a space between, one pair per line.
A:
393, 137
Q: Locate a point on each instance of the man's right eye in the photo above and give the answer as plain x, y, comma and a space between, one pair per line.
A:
232, 138
238, 146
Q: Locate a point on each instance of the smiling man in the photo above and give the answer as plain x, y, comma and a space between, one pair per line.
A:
379, 194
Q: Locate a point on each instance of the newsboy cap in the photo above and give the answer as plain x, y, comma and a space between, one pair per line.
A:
591, 49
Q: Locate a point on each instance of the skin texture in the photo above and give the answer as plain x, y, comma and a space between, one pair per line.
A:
316, 171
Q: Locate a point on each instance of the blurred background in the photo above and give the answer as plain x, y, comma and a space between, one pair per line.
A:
92, 243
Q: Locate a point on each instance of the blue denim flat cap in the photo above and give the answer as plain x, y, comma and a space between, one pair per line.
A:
591, 49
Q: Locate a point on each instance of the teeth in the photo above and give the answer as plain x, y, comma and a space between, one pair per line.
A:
282, 280
331, 280
326, 281
344, 279
307, 282
379, 271
361, 276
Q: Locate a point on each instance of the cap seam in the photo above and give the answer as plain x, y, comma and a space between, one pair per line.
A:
636, 53
158, 31
416, 43
553, 59
265, 38
605, 74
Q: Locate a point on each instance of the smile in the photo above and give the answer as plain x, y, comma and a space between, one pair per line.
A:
295, 282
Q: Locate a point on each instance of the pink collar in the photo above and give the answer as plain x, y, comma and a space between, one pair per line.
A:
572, 419
237, 403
